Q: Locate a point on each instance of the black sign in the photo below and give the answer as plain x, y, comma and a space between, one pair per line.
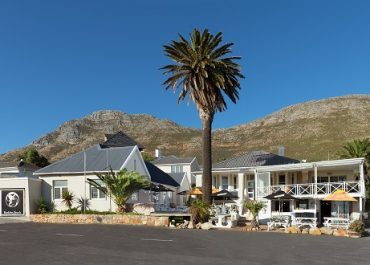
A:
12, 202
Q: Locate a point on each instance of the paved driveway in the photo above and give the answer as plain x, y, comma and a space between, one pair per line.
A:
31, 243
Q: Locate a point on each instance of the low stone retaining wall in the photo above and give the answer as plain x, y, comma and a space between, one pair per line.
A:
161, 221
322, 231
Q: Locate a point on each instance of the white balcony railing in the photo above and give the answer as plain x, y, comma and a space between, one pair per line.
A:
310, 189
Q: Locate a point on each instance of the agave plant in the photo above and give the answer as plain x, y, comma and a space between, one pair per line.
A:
83, 204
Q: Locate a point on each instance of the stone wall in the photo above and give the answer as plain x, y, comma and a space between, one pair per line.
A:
101, 219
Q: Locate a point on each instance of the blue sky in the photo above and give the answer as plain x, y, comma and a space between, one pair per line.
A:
61, 60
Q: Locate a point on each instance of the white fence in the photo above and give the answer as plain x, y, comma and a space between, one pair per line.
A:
311, 189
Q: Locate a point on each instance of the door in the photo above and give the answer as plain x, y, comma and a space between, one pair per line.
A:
325, 210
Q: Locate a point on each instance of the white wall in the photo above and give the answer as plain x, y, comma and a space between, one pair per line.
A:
32, 191
80, 188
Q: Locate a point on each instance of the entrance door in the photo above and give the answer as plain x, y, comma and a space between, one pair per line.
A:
325, 210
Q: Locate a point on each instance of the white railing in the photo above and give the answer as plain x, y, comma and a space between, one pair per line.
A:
310, 189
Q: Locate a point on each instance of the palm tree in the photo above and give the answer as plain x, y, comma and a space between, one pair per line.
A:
357, 148
254, 207
205, 74
120, 185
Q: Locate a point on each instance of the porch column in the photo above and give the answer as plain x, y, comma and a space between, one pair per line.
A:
255, 185
241, 192
315, 179
362, 181
360, 206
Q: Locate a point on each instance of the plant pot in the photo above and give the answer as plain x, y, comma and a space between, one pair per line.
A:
354, 234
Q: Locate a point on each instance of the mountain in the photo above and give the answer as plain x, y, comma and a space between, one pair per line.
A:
313, 130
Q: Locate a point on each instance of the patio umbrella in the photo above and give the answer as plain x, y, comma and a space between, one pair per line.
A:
224, 195
198, 191
339, 196
279, 195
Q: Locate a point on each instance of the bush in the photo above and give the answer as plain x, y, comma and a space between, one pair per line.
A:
42, 205
199, 211
357, 226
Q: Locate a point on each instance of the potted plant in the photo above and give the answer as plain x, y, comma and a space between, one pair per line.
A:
356, 229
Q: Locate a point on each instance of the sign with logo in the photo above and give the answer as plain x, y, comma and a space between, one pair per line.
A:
12, 202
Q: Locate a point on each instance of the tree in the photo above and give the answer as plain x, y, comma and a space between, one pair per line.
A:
205, 75
120, 185
357, 148
32, 156
147, 156
254, 207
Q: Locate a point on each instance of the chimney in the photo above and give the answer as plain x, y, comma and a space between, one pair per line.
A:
157, 153
281, 151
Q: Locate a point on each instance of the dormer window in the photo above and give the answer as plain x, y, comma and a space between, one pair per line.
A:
177, 169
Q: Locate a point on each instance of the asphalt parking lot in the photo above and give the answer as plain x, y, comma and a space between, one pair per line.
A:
30, 243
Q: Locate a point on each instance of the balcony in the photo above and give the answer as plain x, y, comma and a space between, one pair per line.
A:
308, 190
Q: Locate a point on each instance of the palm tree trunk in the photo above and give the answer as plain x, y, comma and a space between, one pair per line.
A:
207, 120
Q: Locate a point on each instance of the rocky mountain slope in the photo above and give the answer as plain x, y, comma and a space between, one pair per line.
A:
313, 130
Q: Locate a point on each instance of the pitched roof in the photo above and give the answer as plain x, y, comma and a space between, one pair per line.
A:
159, 176
255, 159
97, 159
167, 160
178, 177
120, 139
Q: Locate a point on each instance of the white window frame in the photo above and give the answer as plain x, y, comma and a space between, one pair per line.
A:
60, 188
101, 194
177, 168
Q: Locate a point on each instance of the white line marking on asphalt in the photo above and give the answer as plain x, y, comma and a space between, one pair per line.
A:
60, 234
155, 239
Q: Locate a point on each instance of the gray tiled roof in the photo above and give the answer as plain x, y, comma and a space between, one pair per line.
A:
120, 139
97, 159
167, 160
159, 176
178, 177
255, 159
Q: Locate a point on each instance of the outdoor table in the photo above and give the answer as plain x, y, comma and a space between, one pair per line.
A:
305, 221
336, 222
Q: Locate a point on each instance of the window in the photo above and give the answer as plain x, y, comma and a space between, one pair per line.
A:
250, 187
281, 179
214, 181
59, 186
324, 179
96, 193
225, 183
177, 169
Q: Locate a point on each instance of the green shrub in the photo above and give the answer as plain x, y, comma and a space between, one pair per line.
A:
199, 211
68, 198
357, 226
42, 205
